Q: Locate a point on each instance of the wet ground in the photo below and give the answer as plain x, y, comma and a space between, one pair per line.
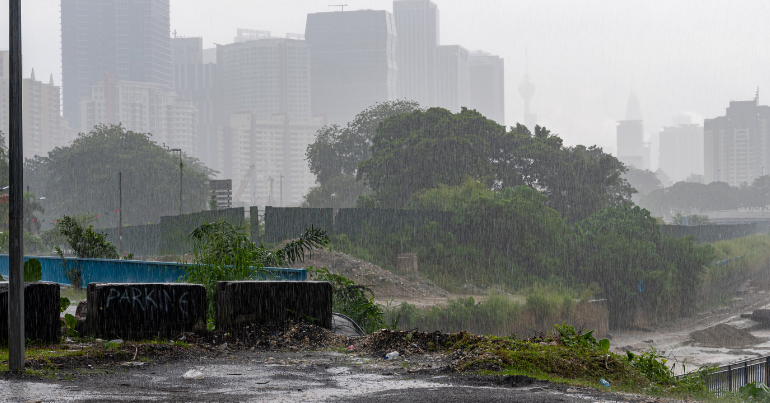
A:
256, 376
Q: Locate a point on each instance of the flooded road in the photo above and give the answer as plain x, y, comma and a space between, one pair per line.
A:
249, 376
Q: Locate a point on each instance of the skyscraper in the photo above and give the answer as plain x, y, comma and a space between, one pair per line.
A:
264, 76
417, 25
681, 149
737, 145
44, 128
195, 81
129, 38
452, 77
632, 149
143, 108
527, 90
353, 61
487, 85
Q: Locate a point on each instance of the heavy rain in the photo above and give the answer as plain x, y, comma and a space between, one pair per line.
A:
413, 200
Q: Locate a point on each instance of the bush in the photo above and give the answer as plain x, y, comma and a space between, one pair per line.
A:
353, 300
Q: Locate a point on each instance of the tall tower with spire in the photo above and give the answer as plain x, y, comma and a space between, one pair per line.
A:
527, 90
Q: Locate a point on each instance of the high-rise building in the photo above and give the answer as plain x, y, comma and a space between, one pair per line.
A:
487, 85
128, 38
632, 150
737, 145
142, 108
264, 76
681, 149
353, 61
267, 157
195, 80
452, 77
417, 25
44, 127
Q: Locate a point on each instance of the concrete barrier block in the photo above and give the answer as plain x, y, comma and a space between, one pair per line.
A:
142, 310
242, 303
41, 311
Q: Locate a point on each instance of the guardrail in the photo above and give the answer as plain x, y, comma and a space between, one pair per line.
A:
731, 377
130, 271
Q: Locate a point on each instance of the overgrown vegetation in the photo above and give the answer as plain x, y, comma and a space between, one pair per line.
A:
224, 252
353, 300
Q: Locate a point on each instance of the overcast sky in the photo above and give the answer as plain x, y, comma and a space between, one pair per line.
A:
585, 57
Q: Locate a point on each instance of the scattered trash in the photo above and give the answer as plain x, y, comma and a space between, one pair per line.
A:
604, 382
132, 363
351, 347
222, 347
392, 355
116, 341
193, 374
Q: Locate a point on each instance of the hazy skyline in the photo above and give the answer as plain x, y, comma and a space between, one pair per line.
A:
584, 57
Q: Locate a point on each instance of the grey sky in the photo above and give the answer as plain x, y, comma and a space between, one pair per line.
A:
585, 57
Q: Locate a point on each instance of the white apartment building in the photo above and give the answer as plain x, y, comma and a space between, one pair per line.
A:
44, 127
275, 147
143, 108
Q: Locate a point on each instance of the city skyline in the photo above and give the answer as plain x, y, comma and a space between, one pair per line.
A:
637, 56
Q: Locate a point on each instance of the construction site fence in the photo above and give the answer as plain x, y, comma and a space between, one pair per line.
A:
730, 378
715, 232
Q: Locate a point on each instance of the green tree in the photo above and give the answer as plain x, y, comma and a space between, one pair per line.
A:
85, 242
339, 192
423, 149
339, 150
83, 177
643, 181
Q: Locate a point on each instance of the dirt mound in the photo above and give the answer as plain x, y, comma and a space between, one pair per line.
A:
726, 336
384, 283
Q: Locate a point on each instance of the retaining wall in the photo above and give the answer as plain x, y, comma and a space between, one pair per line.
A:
130, 271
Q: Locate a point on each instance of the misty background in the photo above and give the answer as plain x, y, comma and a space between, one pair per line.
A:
585, 58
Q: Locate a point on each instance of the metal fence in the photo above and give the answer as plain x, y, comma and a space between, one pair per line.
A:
731, 377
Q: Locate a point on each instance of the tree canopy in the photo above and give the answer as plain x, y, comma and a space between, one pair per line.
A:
425, 149
83, 178
338, 150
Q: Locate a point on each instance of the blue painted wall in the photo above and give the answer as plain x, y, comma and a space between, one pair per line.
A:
129, 271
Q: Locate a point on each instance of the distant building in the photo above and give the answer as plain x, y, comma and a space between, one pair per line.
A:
681, 149
44, 127
527, 90
143, 108
487, 85
264, 76
353, 61
737, 145
417, 25
632, 149
128, 38
195, 80
452, 78
275, 147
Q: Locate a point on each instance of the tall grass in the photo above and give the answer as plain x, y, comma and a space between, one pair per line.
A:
738, 260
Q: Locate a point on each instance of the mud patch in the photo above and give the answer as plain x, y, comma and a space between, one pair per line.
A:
724, 336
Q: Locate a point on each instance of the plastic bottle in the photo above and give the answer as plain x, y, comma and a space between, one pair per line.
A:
605, 383
391, 356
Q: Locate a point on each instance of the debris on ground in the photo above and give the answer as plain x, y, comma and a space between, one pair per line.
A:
193, 374
724, 336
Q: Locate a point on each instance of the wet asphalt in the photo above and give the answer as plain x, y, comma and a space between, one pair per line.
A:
248, 376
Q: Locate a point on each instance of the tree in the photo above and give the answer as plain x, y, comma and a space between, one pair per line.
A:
423, 149
338, 151
85, 242
83, 177
339, 192
643, 181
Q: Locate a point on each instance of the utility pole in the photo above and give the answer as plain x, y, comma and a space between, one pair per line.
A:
180, 177
120, 211
15, 194
270, 179
281, 183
